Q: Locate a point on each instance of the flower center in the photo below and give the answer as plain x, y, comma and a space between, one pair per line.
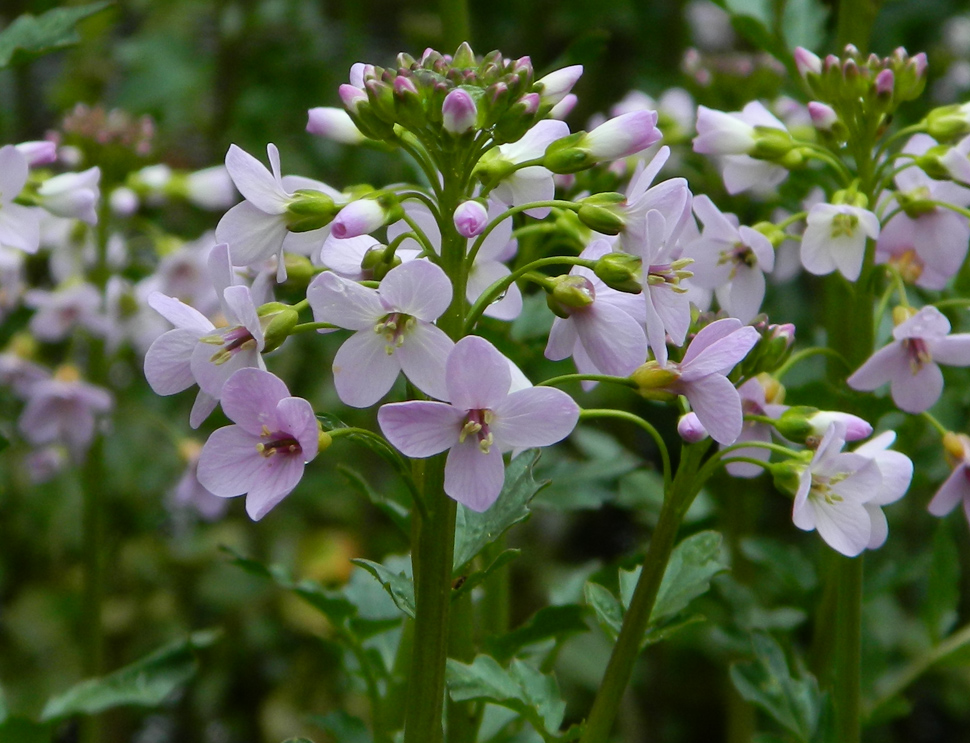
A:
918, 353
394, 328
843, 225
822, 488
670, 274
477, 423
232, 341
909, 265
277, 441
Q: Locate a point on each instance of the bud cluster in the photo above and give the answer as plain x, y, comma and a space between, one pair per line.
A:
452, 96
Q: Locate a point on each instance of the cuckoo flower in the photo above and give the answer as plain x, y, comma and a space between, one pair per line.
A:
72, 195
19, 225
483, 420
835, 238
264, 453
604, 335
956, 489
897, 473
394, 330
910, 361
532, 183
760, 396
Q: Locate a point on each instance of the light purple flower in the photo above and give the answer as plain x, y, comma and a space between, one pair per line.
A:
535, 182
897, 473
358, 218
334, 124
211, 188
605, 336
38, 152
556, 85
63, 410
72, 195
622, 135
956, 488
483, 420
910, 361
64, 309
263, 455
754, 401
690, 428
394, 330
835, 238
19, 225
731, 259
189, 492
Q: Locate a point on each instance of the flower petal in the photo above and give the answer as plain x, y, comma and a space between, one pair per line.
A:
718, 406
255, 182
477, 375
363, 371
417, 288
423, 356
537, 416
249, 399
421, 428
472, 477
344, 303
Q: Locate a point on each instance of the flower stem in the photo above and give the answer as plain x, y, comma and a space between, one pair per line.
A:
454, 23
637, 617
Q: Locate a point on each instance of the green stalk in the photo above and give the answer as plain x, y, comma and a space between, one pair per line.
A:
856, 18
92, 537
678, 498
455, 26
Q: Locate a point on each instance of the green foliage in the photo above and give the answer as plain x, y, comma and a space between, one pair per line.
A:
146, 682
21, 730
549, 622
30, 36
939, 611
398, 585
521, 687
794, 702
474, 531
344, 727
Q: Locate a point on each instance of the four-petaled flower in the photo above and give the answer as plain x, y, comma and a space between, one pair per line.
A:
264, 453
483, 420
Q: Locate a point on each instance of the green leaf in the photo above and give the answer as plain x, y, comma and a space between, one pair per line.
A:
787, 563
22, 730
550, 621
939, 610
397, 513
30, 36
588, 482
803, 23
474, 531
343, 727
608, 610
146, 682
479, 576
522, 688
795, 703
692, 564
398, 585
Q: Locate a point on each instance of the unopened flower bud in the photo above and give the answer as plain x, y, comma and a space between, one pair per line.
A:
324, 440
885, 83
569, 293
280, 320
823, 116
901, 314
691, 429
620, 271
464, 56
334, 124
123, 201
310, 210
855, 427
565, 107
623, 135
458, 112
39, 152
776, 236
807, 62
956, 447
376, 262
794, 423
352, 97
555, 86
362, 216
653, 381
471, 218
787, 475
948, 122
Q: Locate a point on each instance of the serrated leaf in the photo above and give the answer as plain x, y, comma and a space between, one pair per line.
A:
397, 513
692, 564
146, 682
479, 576
795, 703
398, 585
550, 621
22, 730
29, 35
474, 531
344, 727
608, 610
654, 635
522, 688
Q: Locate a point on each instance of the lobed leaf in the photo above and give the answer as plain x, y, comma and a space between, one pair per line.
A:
30, 36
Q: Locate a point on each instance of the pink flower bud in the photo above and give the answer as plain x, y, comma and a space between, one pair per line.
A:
556, 85
38, 152
623, 135
528, 104
823, 116
562, 109
403, 86
807, 62
855, 427
458, 112
358, 218
470, 218
333, 123
352, 97
691, 429
885, 81
919, 63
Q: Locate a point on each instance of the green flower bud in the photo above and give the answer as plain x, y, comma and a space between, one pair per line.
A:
653, 381
620, 271
564, 156
280, 325
771, 144
310, 210
787, 476
299, 270
568, 293
948, 122
795, 424
374, 262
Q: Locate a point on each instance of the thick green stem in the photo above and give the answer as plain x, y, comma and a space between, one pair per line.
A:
637, 617
847, 666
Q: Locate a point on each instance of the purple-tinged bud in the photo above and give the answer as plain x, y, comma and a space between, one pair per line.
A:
556, 85
333, 123
623, 135
851, 50
38, 153
691, 429
807, 62
856, 428
471, 218
919, 63
831, 62
528, 105
885, 82
464, 56
850, 70
358, 71
823, 116
380, 95
352, 97
565, 107
458, 112
358, 218
404, 87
